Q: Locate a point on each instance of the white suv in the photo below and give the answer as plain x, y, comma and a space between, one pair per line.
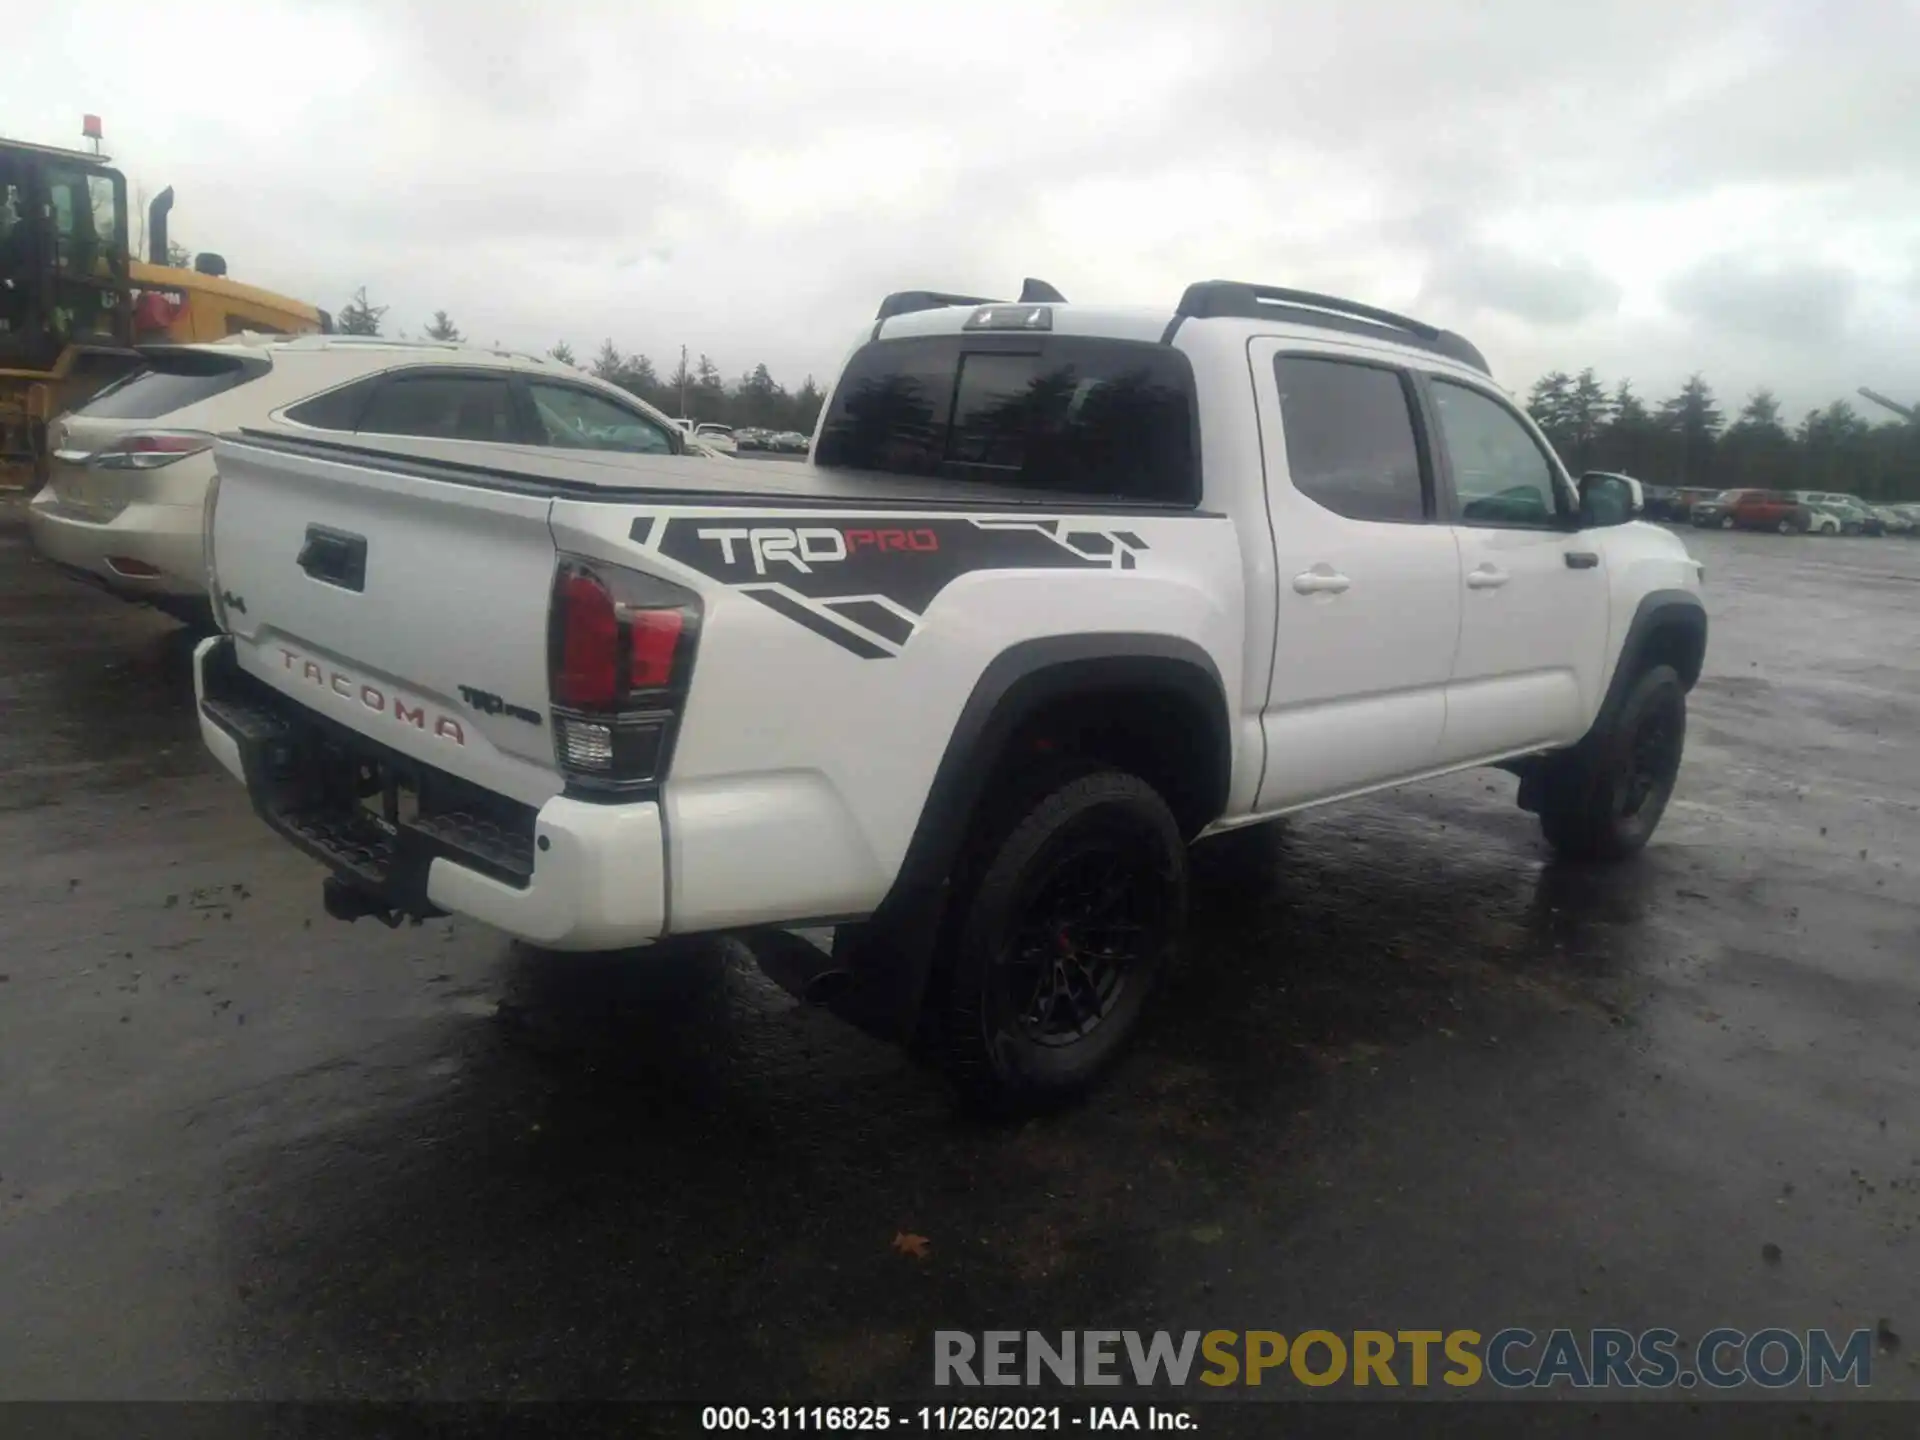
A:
122, 507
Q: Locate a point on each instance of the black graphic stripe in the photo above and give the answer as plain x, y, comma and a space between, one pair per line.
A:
872, 615
831, 568
819, 624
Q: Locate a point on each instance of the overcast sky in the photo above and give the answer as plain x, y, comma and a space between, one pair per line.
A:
1648, 188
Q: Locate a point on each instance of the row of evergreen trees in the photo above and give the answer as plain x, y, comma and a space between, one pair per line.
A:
695, 390
1686, 440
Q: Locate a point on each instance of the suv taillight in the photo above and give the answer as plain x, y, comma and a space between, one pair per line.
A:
619, 654
149, 450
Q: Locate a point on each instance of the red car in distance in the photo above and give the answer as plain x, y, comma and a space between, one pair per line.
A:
1768, 510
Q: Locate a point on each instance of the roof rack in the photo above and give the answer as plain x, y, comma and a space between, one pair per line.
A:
1210, 298
906, 302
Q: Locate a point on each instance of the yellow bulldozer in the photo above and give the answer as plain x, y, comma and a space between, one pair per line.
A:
76, 307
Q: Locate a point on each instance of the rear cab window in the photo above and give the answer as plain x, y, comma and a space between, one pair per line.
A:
171, 381
1062, 416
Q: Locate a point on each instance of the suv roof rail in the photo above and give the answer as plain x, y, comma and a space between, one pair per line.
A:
1207, 299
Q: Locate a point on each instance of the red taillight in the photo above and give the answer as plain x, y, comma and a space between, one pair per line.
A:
619, 649
588, 674
654, 638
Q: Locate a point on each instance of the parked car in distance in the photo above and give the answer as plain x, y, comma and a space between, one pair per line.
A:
1768, 510
1899, 519
790, 442
1686, 498
1822, 522
123, 506
1718, 509
1660, 502
1855, 515
716, 437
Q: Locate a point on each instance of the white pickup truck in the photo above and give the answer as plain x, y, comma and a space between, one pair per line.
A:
1062, 589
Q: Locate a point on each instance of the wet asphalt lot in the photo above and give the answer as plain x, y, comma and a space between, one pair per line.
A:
1413, 1075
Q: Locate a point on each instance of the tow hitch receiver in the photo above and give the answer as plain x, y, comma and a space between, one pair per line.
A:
350, 902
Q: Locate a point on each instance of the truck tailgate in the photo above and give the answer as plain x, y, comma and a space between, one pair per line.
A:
411, 610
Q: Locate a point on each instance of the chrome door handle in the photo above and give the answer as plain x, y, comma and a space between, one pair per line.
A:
1320, 582
1487, 577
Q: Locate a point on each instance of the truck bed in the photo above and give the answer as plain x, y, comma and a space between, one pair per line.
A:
671, 479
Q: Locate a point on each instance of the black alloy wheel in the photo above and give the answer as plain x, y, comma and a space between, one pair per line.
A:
1654, 760
1066, 916
1088, 923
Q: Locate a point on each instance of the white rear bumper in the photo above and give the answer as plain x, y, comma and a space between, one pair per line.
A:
599, 878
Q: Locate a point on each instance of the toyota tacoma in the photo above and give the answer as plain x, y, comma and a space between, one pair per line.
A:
1061, 589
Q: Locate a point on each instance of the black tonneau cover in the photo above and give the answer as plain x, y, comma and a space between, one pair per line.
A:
663, 479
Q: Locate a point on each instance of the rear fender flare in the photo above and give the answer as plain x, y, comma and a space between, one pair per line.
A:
892, 973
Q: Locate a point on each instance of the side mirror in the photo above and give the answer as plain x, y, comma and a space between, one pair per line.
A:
1609, 499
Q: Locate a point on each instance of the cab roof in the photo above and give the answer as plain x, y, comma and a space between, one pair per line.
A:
1041, 308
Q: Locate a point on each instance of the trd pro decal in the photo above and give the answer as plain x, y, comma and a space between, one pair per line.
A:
865, 583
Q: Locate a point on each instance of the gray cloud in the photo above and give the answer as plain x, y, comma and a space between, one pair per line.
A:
749, 177
1547, 292
1793, 303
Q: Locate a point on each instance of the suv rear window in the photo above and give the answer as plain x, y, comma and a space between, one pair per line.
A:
170, 382
1064, 415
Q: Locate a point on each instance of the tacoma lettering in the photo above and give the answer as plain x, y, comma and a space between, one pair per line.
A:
445, 727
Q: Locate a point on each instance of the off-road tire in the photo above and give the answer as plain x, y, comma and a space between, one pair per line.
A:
1604, 800
1025, 841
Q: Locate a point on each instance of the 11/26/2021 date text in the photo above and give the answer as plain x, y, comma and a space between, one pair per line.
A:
975, 1419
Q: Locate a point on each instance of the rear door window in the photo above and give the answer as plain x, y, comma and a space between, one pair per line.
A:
172, 382
1064, 415
1350, 438
444, 405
